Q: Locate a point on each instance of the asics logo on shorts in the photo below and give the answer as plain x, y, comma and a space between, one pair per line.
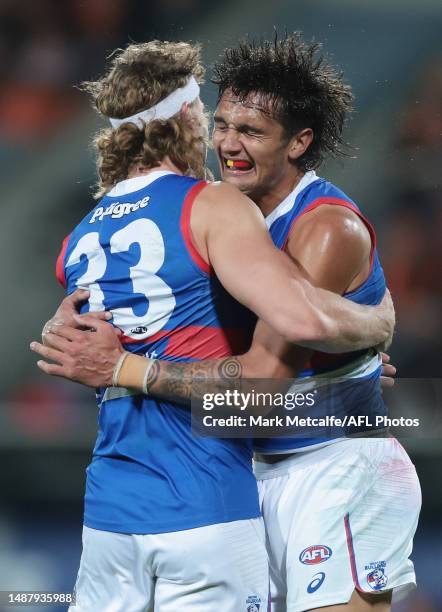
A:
317, 581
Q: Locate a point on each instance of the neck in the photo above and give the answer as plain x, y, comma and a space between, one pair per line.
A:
164, 164
268, 201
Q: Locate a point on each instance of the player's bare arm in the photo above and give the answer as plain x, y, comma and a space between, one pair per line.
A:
231, 234
318, 240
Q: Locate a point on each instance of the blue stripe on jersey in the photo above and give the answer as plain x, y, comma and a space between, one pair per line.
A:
310, 193
148, 473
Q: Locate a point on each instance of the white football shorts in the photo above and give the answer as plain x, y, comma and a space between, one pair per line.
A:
219, 567
338, 518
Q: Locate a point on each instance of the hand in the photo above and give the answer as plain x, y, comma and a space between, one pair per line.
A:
388, 372
65, 313
387, 309
82, 356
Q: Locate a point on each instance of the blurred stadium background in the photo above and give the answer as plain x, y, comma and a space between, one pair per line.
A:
390, 52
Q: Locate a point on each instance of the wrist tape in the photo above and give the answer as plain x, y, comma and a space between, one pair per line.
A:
132, 371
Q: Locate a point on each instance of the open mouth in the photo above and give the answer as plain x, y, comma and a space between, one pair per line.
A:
237, 165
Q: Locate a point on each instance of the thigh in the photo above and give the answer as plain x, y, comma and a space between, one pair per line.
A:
219, 567
278, 507
331, 525
360, 602
306, 540
113, 574
381, 525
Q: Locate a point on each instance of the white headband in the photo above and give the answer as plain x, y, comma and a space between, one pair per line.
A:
165, 109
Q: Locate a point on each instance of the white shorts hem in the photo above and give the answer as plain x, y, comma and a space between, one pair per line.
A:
309, 604
401, 589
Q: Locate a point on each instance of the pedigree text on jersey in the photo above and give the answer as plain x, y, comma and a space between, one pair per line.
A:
118, 209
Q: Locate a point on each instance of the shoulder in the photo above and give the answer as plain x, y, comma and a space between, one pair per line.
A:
339, 225
219, 191
333, 245
221, 199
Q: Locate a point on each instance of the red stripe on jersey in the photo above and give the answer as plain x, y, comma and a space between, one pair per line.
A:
197, 342
185, 227
59, 266
345, 204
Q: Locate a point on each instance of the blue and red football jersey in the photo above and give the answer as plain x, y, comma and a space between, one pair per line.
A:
134, 253
359, 372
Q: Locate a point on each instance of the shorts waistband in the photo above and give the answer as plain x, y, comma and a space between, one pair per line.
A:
263, 470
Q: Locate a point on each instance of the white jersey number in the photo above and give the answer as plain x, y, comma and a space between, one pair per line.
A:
147, 235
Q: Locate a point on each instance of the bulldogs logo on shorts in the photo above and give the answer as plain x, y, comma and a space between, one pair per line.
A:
253, 603
377, 580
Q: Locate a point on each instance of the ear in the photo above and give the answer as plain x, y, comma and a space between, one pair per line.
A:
185, 108
299, 143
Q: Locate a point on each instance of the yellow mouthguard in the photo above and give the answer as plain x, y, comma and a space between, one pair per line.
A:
230, 163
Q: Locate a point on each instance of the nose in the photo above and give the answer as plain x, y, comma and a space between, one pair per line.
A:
230, 143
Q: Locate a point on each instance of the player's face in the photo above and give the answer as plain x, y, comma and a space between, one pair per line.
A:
251, 147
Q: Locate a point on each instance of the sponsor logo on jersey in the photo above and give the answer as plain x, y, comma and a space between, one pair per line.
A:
139, 330
118, 209
315, 554
253, 603
317, 581
377, 580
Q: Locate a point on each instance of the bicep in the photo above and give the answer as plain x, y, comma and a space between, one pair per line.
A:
331, 255
332, 246
247, 263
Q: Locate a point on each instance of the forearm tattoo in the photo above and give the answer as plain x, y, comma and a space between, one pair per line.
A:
182, 382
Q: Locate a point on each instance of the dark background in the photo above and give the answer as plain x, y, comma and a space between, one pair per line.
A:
391, 54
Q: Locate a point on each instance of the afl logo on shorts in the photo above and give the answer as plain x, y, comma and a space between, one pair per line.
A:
315, 554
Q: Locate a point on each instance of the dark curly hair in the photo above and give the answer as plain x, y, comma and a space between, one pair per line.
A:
301, 90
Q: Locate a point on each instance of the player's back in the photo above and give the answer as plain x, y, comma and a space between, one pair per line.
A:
134, 253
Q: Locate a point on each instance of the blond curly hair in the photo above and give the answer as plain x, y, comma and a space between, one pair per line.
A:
139, 77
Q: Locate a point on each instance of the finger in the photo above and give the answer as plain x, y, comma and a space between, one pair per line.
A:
388, 370
67, 332
78, 296
387, 382
385, 358
102, 315
51, 327
47, 352
51, 368
88, 321
57, 341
